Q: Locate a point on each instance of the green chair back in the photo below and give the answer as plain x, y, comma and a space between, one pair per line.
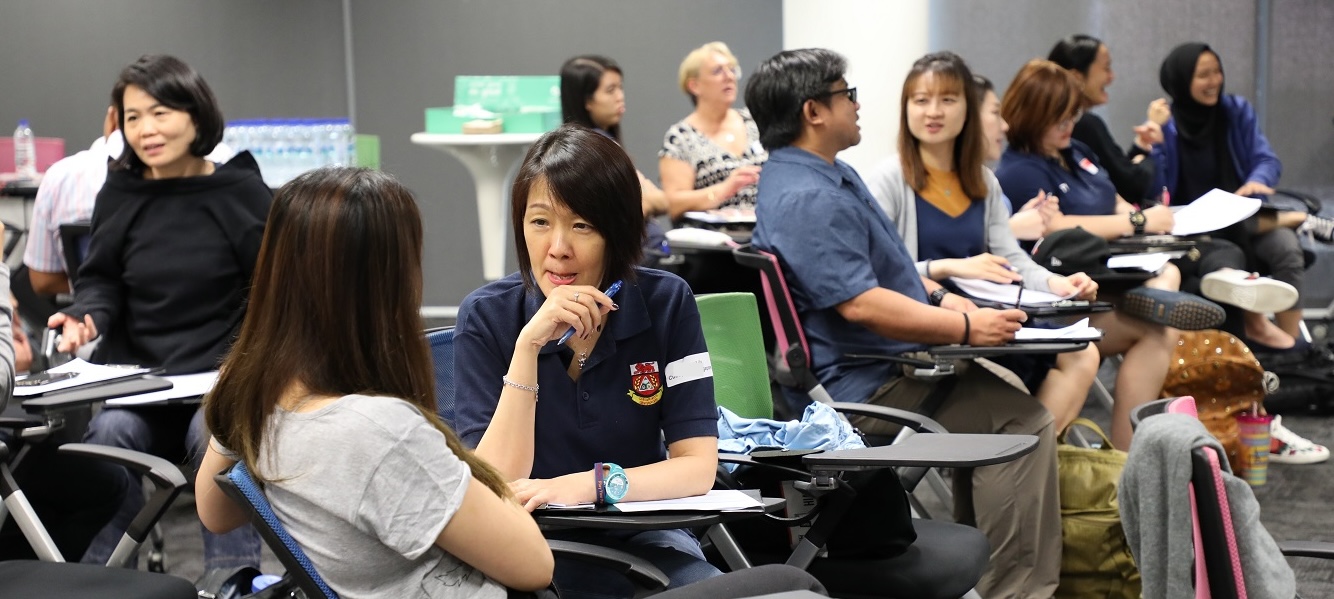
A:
731, 324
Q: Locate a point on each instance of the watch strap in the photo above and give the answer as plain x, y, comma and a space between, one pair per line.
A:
938, 296
599, 484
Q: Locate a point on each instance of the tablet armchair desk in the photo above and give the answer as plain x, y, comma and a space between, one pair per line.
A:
491, 160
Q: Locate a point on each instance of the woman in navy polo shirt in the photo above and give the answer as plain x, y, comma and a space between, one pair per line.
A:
594, 418
1041, 106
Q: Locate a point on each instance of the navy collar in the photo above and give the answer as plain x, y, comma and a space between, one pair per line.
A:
631, 319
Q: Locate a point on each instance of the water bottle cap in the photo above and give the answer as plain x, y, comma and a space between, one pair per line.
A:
23, 122
263, 581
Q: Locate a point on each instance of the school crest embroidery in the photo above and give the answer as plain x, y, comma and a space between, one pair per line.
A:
645, 383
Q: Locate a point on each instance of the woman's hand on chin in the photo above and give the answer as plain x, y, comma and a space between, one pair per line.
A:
579, 306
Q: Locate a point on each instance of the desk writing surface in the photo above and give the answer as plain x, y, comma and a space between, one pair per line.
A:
928, 450
647, 520
79, 397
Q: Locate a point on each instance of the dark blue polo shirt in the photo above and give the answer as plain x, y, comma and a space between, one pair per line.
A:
602, 417
835, 243
1084, 190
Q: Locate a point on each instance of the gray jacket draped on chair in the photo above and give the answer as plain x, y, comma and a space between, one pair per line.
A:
1156, 514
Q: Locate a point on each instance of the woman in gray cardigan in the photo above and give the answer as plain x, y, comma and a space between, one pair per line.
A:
939, 186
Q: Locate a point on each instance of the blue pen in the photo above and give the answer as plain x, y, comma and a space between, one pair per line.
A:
610, 292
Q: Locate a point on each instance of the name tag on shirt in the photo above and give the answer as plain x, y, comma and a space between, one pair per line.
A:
690, 368
1088, 165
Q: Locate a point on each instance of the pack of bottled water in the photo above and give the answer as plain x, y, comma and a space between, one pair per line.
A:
285, 148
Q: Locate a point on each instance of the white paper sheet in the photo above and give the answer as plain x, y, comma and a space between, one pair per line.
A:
1005, 293
713, 501
1080, 331
1213, 211
722, 216
87, 374
1150, 262
183, 386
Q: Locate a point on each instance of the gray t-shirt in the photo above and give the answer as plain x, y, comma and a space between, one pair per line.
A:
365, 485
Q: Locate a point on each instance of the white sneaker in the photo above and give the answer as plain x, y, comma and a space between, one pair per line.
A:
1248, 291
1319, 228
1287, 447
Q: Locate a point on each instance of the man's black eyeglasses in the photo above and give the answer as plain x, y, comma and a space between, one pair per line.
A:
851, 92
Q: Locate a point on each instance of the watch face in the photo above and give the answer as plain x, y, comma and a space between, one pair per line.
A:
617, 485
1138, 218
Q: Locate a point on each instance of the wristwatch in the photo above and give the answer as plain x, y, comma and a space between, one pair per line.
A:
612, 483
938, 296
1137, 220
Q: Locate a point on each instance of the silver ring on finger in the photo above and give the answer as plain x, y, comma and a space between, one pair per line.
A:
576, 296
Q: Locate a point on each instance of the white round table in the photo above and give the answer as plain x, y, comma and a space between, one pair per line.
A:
492, 160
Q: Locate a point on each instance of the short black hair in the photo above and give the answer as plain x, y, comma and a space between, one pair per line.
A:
579, 80
780, 87
592, 176
178, 86
1076, 52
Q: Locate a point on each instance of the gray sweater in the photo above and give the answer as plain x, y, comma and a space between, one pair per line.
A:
898, 200
1156, 514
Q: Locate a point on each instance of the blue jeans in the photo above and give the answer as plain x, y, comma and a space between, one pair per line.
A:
174, 433
675, 552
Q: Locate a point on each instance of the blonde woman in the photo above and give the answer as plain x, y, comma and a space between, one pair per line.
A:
711, 159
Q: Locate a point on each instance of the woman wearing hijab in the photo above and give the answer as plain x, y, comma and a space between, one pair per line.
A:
1213, 140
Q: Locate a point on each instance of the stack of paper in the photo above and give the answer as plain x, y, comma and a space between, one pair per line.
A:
183, 386
1004, 293
1080, 331
1150, 262
1213, 211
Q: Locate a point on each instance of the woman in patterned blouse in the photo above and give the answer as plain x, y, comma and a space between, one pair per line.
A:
711, 159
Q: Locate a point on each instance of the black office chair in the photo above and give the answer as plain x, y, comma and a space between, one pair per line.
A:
74, 240
49, 576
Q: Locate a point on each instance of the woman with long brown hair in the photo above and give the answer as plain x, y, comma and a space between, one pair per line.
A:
331, 362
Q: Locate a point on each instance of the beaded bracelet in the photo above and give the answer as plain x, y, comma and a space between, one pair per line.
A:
529, 388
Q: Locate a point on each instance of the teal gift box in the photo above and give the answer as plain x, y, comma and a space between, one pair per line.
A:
508, 93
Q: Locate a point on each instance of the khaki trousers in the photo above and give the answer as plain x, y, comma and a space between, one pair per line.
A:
1015, 504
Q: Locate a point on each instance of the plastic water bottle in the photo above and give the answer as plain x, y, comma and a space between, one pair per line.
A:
347, 142
25, 152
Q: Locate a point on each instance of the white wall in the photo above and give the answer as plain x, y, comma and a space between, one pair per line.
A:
880, 40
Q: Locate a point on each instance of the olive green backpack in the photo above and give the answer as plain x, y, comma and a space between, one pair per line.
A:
1096, 560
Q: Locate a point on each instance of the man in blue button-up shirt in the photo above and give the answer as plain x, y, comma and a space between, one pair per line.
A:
857, 291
